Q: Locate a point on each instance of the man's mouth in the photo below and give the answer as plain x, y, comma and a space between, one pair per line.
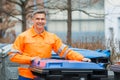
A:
39, 24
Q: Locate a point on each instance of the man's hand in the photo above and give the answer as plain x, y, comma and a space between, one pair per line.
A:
86, 60
35, 61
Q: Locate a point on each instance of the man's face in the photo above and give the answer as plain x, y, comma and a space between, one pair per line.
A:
39, 20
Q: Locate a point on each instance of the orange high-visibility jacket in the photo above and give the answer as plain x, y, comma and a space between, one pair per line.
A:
29, 44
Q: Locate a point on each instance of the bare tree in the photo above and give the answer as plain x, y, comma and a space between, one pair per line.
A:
27, 6
70, 6
1, 18
5, 21
69, 32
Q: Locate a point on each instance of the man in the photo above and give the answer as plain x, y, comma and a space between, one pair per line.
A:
36, 43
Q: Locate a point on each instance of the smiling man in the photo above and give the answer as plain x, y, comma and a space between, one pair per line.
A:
36, 43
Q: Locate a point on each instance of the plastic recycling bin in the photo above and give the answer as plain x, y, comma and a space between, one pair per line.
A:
53, 69
97, 56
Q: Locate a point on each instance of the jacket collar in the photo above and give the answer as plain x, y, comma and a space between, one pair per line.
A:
36, 34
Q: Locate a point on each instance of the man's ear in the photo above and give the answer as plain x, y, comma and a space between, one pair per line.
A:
32, 21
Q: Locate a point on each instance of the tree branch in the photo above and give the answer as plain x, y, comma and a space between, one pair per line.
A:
11, 15
95, 15
15, 2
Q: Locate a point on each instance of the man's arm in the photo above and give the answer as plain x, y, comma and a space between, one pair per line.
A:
16, 54
63, 51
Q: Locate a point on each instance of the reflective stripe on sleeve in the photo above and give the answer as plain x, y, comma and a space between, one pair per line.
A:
15, 51
61, 48
11, 55
66, 52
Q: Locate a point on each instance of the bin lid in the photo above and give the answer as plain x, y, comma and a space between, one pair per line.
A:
69, 64
92, 53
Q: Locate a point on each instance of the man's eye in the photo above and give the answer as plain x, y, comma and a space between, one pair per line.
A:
42, 18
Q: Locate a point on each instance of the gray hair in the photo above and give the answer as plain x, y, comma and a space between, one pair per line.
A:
42, 11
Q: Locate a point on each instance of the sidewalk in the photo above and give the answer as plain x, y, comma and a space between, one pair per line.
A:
110, 76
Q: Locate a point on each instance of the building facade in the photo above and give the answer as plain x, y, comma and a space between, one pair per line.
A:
112, 24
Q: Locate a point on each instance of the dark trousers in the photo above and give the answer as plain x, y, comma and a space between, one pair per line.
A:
24, 78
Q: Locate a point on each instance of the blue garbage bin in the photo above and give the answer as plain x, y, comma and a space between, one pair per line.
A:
67, 69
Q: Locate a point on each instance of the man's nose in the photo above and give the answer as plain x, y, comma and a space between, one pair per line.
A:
40, 20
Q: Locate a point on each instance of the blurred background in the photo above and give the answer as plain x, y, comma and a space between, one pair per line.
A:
88, 24
73, 21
